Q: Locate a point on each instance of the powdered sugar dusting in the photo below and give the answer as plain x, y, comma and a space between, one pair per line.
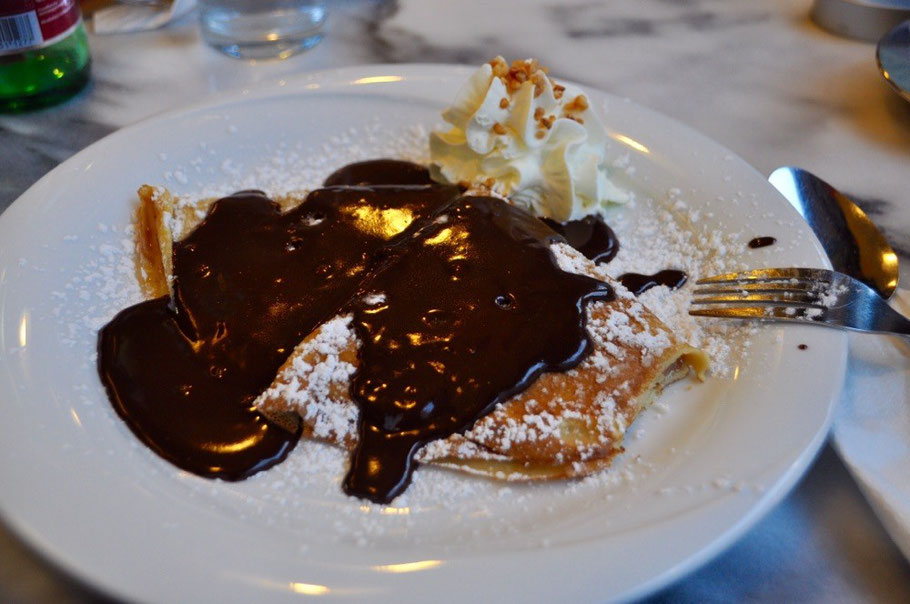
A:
297, 168
670, 234
102, 285
320, 401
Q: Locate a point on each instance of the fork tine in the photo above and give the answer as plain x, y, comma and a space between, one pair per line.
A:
769, 313
754, 285
735, 296
771, 274
809, 296
730, 312
787, 294
781, 290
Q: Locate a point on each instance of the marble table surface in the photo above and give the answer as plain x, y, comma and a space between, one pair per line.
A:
759, 77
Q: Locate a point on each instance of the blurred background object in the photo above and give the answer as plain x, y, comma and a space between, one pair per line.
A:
865, 20
263, 29
893, 56
123, 16
44, 54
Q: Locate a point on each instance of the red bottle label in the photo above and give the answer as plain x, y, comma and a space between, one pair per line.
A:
27, 24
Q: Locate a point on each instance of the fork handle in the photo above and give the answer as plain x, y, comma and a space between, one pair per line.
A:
896, 323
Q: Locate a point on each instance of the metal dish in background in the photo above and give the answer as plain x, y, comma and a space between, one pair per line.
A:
893, 57
861, 19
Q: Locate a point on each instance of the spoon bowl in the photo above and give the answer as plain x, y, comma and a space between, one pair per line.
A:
853, 243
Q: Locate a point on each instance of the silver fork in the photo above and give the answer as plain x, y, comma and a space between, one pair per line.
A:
806, 295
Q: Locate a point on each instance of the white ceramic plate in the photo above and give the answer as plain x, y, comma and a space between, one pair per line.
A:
78, 485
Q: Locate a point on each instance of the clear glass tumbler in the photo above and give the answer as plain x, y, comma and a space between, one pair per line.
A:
262, 29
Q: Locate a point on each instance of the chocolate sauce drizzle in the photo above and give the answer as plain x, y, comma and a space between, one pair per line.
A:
380, 172
639, 284
596, 240
473, 308
174, 400
249, 284
761, 242
590, 235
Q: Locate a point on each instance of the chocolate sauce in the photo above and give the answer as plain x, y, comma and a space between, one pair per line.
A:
638, 284
761, 242
590, 235
173, 399
249, 284
380, 172
473, 309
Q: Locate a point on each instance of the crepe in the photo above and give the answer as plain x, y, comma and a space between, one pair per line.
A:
566, 424
161, 219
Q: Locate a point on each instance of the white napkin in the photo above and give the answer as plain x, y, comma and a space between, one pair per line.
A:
123, 18
872, 425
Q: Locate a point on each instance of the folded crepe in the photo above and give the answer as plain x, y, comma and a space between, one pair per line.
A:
565, 424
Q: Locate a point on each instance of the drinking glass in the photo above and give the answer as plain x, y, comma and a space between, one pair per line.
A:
262, 29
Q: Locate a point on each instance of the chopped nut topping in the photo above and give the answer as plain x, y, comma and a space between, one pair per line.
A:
528, 66
500, 67
488, 183
538, 78
513, 76
518, 73
579, 103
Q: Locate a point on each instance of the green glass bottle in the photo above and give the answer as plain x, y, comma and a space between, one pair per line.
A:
44, 54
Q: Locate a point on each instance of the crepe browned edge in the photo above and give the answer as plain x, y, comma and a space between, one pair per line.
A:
587, 409
161, 218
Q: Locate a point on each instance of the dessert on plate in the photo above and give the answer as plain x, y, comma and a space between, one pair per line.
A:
395, 315
518, 133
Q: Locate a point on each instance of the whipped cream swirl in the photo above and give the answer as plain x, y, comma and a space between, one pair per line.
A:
525, 137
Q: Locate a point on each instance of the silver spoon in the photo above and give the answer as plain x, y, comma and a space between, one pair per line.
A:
853, 243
